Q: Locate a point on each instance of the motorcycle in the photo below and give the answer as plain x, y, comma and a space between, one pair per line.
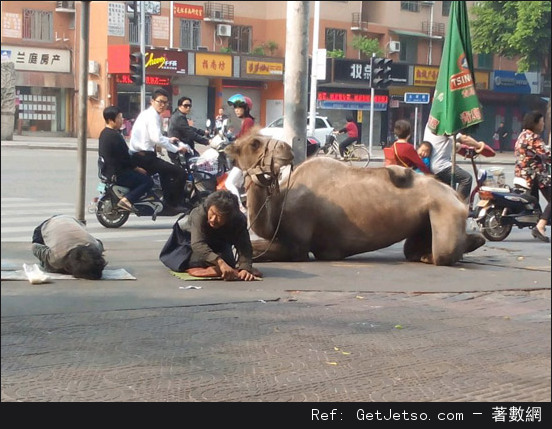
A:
199, 184
499, 209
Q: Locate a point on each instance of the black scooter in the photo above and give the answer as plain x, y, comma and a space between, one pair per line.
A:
199, 184
499, 209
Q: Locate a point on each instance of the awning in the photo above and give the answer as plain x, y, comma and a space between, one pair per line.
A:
416, 34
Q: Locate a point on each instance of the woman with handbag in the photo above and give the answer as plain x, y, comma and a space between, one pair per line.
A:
206, 240
405, 154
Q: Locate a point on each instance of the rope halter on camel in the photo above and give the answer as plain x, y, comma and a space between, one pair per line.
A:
263, 172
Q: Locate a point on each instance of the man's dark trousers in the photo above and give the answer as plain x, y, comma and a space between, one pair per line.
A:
173, 178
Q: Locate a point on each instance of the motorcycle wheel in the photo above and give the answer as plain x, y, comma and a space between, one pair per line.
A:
109, 216
492, 227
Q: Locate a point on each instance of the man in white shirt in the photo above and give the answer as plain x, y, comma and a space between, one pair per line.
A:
441, 160
146, 133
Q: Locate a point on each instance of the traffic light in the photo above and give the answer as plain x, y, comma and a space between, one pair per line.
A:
380, 72
137, 68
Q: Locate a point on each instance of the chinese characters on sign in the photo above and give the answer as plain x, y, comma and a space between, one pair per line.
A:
116, 19
351, 101
11, 25
425, 76
39, 59
188, 11
166, 62
264, 68
360, 71
213, 65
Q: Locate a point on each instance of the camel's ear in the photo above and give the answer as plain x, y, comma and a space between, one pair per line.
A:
256, 144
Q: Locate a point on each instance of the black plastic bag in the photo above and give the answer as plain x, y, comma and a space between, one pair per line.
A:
177, 251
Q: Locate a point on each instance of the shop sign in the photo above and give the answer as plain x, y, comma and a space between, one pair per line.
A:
264, 69
150, 80
38, 59
416, 97
161, 62
188, 11
213, 65
351, 101
359, 71
509, 81
425, 75
481, 80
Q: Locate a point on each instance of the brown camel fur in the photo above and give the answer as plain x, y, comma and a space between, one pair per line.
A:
335, 211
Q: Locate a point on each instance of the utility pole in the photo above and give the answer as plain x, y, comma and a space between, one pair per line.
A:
83, 110
372, 95
314, 70
143, 52
295, 79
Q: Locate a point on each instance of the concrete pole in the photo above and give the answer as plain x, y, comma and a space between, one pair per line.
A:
314, 70
83, 110
296, 78
372, 96
143, 51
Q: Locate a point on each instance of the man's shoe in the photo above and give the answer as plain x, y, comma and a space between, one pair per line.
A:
124, 204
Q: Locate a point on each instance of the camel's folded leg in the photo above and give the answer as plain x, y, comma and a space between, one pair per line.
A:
264, 251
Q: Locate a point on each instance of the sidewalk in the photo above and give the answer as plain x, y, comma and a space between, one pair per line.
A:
39, 142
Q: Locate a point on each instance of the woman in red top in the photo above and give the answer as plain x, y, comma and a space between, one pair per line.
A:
405, 154
352, 134
242, 108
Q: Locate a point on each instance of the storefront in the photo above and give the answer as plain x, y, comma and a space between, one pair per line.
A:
44, 88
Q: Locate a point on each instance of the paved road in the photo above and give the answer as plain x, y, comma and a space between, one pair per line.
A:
372, 328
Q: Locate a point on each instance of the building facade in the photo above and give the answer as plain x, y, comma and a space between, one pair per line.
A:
211, 50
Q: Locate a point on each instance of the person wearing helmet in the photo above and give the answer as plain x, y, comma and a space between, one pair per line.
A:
242, 108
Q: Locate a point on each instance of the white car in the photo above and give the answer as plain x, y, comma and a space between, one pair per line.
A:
322, 128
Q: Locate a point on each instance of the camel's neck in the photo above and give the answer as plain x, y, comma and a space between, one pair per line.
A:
260, 210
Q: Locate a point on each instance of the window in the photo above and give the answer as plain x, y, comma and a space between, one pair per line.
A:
485, 61
409, 50
134, 31
336, 38
446, 8
240, 39
38, 25
411, 6
189, 33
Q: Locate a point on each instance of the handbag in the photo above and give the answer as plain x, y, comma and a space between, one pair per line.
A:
177, 251
404, 164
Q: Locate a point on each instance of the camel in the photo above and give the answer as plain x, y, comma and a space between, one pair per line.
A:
335, 211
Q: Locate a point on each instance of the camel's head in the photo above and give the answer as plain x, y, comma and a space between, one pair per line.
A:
259, 156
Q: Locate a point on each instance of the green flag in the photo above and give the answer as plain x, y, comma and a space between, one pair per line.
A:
455, 104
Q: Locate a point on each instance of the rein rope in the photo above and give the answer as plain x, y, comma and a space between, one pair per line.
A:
263, 175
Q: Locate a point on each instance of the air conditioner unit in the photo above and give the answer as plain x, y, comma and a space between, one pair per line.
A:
394, 46
217, 14
93, 67
93, 89
224, 30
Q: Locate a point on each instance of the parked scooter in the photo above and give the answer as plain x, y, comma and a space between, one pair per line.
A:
199, 184
499, 209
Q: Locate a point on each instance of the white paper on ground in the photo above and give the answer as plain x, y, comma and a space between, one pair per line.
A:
118, 274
